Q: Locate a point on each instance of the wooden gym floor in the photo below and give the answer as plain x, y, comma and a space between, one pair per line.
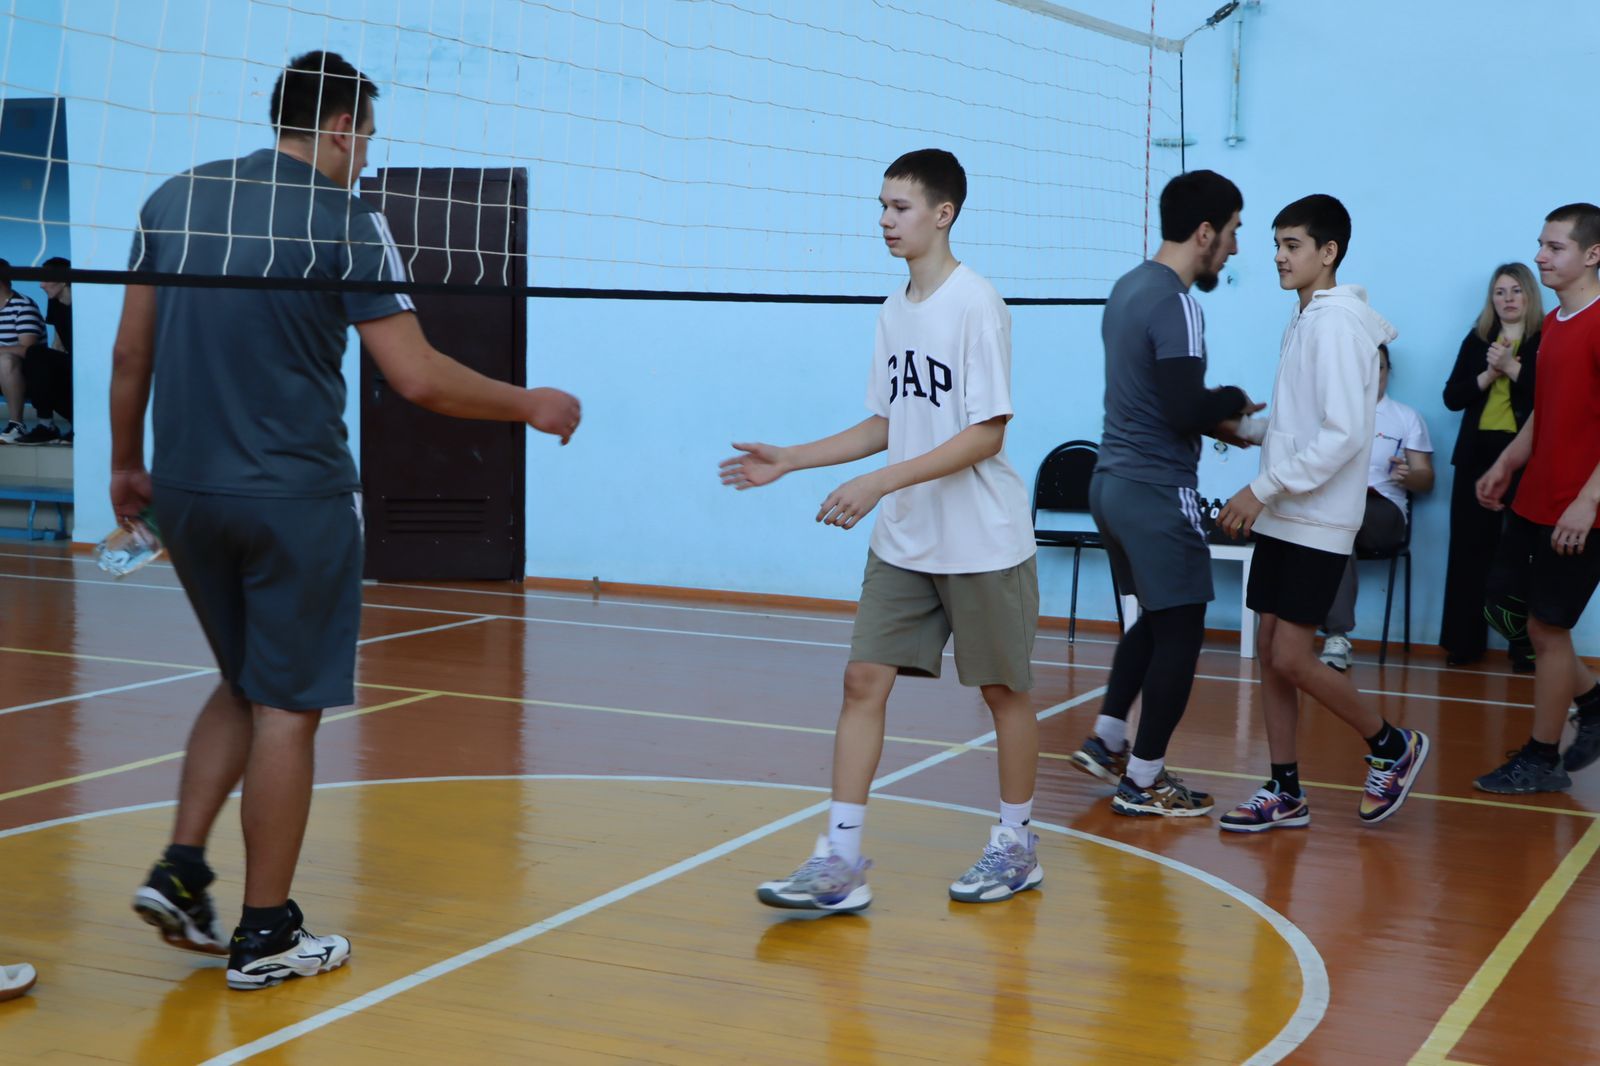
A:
542, 825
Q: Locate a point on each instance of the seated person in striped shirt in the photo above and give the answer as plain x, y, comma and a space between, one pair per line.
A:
21, 327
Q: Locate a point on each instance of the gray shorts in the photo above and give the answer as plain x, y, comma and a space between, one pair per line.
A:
1153, 535
906, 617
276, 585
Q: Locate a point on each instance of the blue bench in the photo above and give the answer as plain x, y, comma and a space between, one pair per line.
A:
33, 493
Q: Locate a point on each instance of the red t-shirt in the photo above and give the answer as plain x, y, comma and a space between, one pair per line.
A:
1566, 417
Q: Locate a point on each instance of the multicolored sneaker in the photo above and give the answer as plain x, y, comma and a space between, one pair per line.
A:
261, 958
1168, 797
824, 882
1522, 774
1268, 809
1009, 865
1585, 746
1389, 781
1097, 760
181, 912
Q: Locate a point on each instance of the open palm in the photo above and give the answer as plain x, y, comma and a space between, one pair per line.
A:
760, 464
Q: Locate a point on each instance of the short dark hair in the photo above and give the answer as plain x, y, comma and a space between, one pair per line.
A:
57, 261
316, 86
1324, 218
1388, 360
937, 171
1585, 219
1195, 197
5, 273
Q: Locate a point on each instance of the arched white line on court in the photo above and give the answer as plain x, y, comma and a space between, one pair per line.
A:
1308, 1013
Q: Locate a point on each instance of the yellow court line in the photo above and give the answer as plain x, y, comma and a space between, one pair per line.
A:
105, 658
818, 730
1481, 988
172, 755
527, 701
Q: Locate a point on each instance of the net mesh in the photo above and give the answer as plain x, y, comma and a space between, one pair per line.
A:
670, 145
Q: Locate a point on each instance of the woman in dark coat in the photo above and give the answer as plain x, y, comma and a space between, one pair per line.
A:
1492, 386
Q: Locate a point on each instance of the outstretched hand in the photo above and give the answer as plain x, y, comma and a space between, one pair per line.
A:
1227, 431
761, 464
554, 412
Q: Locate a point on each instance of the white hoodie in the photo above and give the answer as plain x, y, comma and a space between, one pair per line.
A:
1318, 431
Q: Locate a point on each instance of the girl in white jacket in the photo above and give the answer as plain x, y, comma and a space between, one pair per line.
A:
1305, 508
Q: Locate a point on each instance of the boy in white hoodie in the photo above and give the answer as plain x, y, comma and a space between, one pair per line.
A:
1306, 508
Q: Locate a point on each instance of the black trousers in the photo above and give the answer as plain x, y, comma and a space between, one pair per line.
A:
47, 380
1475, 533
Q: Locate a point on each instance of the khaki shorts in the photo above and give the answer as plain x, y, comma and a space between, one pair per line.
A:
906, 617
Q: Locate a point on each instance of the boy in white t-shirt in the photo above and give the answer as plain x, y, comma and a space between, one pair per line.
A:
952, 550
1400, 463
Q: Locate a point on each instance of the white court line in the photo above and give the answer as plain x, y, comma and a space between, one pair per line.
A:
1309, 1011
578, 598
571, 914
779, 640
77, 696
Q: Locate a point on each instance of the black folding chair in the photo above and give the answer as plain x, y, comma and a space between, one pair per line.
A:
1062, 484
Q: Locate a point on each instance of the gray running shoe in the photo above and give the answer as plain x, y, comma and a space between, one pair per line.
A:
1009, 864
824, 882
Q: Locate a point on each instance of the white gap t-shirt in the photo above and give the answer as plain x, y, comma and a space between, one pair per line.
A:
1398, 429
938, 367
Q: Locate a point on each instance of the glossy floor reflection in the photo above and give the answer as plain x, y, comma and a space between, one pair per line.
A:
543, 885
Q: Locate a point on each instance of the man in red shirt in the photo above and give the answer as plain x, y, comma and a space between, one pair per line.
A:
1550, 543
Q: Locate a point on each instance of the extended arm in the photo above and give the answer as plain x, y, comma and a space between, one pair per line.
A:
850, 502
429, 378
762, 464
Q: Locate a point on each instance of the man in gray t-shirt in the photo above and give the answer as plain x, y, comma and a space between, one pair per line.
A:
255, 492
1143, 493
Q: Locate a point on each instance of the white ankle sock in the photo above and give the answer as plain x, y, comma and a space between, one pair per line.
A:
844, 829
1113, 732
1143, 772
1016, 815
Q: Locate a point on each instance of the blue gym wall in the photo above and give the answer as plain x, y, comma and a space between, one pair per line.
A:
1447, 152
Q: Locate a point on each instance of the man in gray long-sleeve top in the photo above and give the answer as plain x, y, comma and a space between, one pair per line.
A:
1143, 493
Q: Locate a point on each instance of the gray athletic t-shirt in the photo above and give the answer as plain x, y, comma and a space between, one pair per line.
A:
249, 395
1149, 316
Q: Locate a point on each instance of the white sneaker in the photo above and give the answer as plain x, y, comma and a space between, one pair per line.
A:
824, 882
266, 957
12, 433
1336, 653
15, 980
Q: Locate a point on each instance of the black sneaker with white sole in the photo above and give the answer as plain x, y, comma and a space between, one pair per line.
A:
179, 906
261, 958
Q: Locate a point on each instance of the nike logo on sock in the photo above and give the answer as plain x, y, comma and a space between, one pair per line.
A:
841, 825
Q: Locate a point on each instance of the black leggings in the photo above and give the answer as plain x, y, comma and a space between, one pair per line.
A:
1156, 657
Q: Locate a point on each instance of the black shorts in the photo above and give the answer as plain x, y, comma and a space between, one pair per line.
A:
1296, 583
1556, 587
276, 585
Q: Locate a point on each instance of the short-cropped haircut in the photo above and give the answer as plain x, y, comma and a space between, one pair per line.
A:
938, 172
315, 87
1585, 219
1195, 197
1323, 217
